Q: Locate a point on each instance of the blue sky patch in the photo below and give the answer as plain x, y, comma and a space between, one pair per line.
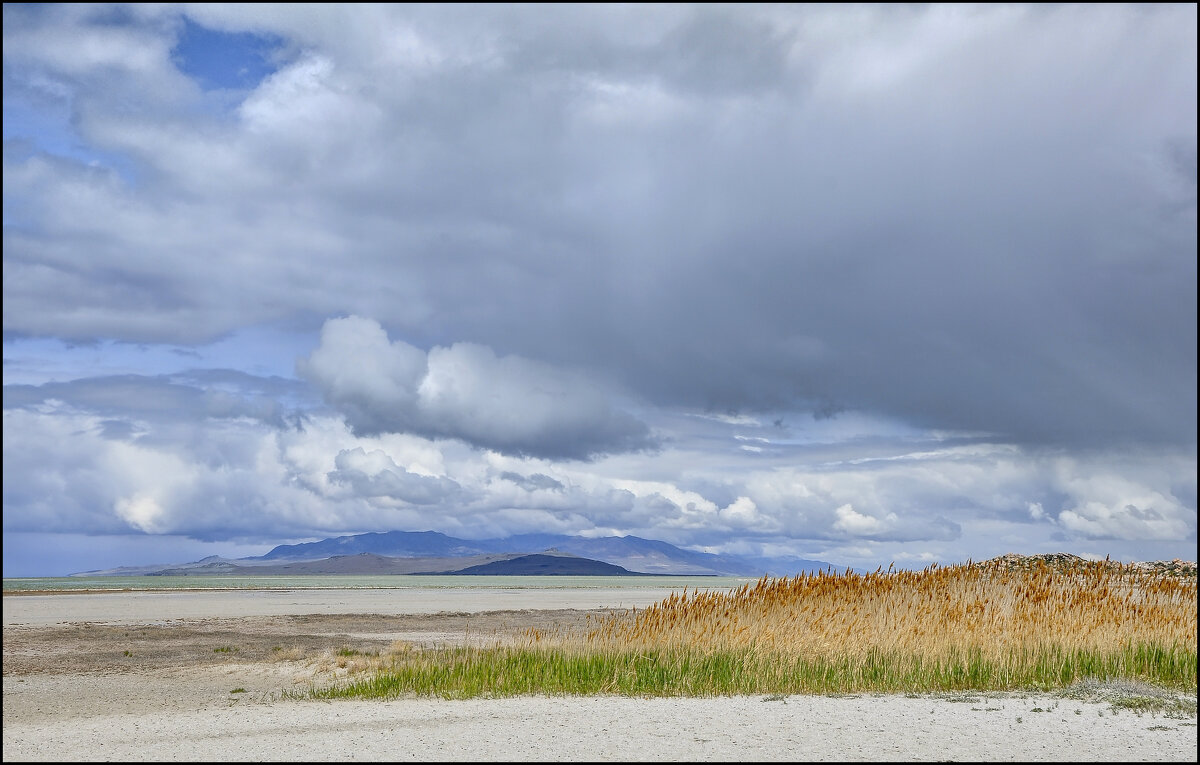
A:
34, 124
224, 60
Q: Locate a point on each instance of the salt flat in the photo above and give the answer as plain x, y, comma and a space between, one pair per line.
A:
156, 606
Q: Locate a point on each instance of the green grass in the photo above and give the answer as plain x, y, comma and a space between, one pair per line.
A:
459, 673
1156, 705
354, 652
1136, 696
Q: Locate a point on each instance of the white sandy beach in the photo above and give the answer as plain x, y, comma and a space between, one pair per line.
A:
167, 712
589, 729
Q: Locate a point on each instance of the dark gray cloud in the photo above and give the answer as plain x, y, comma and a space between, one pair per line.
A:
117, 430
953, 216
534, 482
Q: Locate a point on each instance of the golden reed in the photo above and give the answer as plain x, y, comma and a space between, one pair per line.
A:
988, 608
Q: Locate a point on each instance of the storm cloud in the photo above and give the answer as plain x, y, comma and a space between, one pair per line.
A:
951, 215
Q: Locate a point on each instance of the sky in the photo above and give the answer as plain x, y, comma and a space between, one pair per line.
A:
865, 284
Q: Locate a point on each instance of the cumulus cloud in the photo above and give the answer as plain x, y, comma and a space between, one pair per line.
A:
743, 513
1105, 504
374, 474
510, 404
239, 480
860, 525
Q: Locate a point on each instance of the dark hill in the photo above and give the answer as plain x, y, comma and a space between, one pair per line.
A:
547, 565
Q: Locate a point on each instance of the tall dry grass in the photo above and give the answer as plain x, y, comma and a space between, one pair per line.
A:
1088, 606
981, 626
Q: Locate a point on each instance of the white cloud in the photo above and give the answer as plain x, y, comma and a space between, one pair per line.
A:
465, 391
361, 372
858, 525
1098, 520
1128, 505
743, 513
142, 512
373, 474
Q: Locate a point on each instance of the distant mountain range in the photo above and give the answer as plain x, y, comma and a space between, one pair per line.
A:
430, 552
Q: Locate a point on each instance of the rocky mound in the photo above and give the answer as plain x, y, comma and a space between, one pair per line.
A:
1013, 561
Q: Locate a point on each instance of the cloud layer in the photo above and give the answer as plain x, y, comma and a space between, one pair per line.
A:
950, 215
72, 466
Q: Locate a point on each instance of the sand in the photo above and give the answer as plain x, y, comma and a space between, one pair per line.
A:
139, 677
